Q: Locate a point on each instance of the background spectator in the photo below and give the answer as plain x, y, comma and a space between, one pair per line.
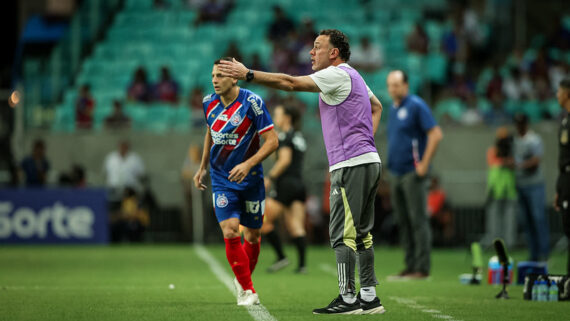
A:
139, 89
117, 119
500, 218
213, 11
130, 220
74, 178
84, 108
233, 51
366, 56
417, 40
441, 216
528, 152
123, 168
281, 25
36, 166
166, 90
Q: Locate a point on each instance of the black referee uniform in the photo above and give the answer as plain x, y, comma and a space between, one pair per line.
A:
289, 186
563, 182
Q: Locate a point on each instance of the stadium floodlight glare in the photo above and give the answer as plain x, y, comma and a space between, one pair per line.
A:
504, 260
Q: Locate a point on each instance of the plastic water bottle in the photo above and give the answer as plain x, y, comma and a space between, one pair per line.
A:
534, 291
543, 291
553, 292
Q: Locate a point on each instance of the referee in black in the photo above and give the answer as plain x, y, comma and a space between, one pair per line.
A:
288, 196
562, 199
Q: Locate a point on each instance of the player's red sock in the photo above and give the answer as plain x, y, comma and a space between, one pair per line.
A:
252, 251
239, 262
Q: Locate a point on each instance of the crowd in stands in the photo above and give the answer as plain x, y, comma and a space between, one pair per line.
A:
483, 82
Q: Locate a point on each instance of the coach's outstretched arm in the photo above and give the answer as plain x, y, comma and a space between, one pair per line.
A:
237, 70
270, 144
204, 162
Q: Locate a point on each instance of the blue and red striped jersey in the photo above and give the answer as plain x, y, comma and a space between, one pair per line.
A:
235, 131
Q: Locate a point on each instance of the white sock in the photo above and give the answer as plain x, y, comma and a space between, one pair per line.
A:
349, 298
368, 293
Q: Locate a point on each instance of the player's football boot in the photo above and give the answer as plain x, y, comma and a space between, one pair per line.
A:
239, 290
249, 298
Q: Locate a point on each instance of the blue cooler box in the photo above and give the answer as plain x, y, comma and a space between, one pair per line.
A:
529, 267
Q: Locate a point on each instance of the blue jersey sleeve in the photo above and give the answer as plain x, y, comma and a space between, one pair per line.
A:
261, 118
206, 101
425, 117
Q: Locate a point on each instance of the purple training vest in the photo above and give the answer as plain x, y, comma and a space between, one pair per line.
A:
347, 127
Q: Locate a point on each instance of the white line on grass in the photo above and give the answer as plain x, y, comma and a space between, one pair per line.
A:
329, 269
258, 312
414, 305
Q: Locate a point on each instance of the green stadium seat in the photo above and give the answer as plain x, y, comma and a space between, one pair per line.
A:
484, 105
453, 108
64, 118
436, 67
532, 109
551, 108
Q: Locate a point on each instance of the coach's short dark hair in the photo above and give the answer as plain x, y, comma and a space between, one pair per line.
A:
338, 40
565, 83
217, 62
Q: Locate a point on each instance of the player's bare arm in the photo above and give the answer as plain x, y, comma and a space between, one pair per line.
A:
434, 136
199, 176
237, 70
270, 144
376, 113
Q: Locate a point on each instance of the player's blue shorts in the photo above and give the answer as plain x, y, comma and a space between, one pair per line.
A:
247, 205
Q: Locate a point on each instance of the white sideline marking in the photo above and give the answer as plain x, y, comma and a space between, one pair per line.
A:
414, 305
327, 268
258, 312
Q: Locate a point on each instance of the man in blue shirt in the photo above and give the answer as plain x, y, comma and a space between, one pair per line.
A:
413, 137
237, 118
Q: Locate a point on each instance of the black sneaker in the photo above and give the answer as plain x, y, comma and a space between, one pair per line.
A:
338, 306
372, 307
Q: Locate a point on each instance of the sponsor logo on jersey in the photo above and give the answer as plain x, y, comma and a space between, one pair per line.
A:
564, 137
255, 105
222, 201
236, 119
224, 138
223, 117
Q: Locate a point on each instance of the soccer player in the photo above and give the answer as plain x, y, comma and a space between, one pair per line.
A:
289, 193
350, 114
236, 119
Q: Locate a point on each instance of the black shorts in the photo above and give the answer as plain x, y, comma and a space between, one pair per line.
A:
289, 189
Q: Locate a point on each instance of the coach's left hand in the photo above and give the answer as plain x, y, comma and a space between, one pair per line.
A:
234, 69
422, 169
239, 173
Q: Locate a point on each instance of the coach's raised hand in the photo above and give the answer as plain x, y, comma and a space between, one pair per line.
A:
234, 69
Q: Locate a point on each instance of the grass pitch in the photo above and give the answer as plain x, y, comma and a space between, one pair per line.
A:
132, 283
